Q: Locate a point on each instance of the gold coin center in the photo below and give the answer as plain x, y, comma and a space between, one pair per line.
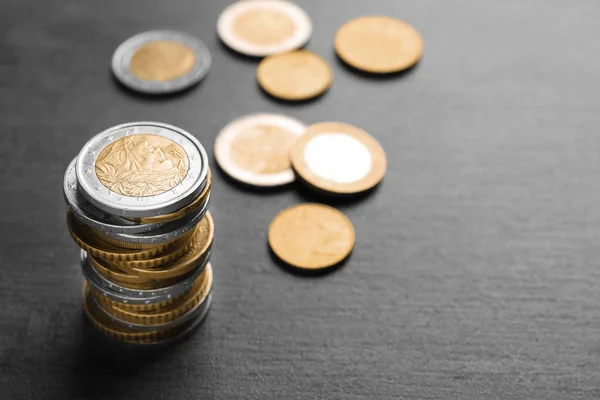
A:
297, 75
263, 26
311, 236
263, 149
141, 165
162, 60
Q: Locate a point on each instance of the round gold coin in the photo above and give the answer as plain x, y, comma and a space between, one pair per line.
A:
378, 44
338, 158
162, 60
311, 236
92, 244
299, 75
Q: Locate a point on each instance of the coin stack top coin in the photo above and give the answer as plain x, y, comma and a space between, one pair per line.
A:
137, 197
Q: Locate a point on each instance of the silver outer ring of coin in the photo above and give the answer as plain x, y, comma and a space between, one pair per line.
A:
132, 296
228, 134
121, 62
150, 206
169, 231
94, 217
301, 20
188, 315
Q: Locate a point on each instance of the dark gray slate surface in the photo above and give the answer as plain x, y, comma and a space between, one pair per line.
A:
475, 274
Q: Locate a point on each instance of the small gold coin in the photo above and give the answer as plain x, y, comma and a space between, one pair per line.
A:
338, 158
299, 75
311, 236
378, 44
162, 60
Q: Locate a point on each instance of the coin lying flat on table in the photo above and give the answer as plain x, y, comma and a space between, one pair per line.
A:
255, 149
338, 158
378, 44
311, 236
161, 61
264, 27
299, 75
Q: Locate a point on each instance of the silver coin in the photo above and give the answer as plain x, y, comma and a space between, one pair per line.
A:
94, 217
132, 296
169, 231
187, 316
147, 205
121, 62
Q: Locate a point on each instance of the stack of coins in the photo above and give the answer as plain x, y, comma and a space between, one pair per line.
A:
137, 197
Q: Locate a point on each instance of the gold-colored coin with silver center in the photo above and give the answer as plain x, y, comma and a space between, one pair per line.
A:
338, 158
141, 165
378, 44
295, 76
162, 60
255, 149
311, 236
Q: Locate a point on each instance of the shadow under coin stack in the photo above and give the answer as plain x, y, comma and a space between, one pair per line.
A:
137, 199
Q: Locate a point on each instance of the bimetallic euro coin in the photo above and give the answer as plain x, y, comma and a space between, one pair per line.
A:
295, 76
311, 236
255, 149
167, 232
142, 169
93, 216
134, 296
264, 27
378, 44
338, 158
159, 62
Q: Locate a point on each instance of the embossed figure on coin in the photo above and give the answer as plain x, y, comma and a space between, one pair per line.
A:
263, 149
141, 165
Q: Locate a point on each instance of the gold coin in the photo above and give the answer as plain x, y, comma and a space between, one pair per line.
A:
189, 209
162, 60
141, 165
311, 236
338, 158
378, 44
196, 295
299, 75
112, 329
203, 239
190, 260
93, 245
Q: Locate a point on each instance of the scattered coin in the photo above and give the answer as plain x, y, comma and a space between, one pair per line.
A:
159, 62
299, 75
137, 198
264, 27
311, 236
255, 149
338, 158
378, 44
